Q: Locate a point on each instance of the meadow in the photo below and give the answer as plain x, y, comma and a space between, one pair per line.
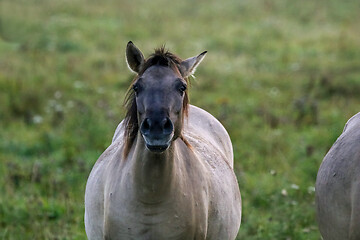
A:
282, 76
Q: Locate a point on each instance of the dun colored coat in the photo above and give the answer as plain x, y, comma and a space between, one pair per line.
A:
338, 186
168, 173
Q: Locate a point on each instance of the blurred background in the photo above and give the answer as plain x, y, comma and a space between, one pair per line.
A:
282, 76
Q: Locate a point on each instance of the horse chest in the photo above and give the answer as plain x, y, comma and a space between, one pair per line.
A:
135, 221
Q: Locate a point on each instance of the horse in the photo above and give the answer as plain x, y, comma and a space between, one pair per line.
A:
338, 186
168, 173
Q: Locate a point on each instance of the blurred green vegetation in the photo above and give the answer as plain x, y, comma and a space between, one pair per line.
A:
282, 76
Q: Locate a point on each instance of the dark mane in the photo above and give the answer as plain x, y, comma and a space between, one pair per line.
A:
161, 57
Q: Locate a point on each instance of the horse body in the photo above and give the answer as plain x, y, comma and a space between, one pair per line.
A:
338, 186
184, 190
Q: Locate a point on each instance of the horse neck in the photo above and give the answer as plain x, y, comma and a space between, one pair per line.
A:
154, 173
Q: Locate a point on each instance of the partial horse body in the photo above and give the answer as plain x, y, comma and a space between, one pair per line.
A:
168, 173
338, 186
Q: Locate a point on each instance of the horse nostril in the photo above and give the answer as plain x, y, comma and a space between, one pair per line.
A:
167, 126
153, 127
145, 126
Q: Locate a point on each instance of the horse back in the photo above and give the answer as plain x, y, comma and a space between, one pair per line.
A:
201, 128
338, 186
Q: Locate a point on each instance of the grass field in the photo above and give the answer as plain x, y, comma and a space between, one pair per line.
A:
282, 76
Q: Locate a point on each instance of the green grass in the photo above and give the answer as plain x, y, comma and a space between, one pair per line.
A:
282, 76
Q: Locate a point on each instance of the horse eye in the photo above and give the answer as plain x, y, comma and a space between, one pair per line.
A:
135, 87
182, 89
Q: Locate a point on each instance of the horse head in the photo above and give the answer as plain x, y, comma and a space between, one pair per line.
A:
158, 95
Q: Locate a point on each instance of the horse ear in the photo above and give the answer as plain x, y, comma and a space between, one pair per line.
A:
134, 57
188, 66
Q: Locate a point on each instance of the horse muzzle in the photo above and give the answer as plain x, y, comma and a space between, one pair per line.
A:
157, 133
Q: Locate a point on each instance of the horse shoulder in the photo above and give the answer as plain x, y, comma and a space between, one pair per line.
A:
211, 143
95, 189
